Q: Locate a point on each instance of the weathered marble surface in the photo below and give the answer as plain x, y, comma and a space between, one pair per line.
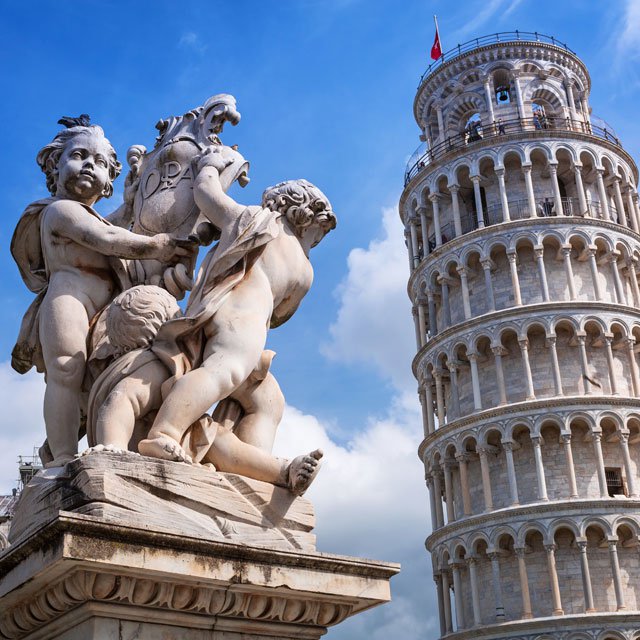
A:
171, 497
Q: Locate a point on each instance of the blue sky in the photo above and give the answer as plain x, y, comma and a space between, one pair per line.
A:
325, 89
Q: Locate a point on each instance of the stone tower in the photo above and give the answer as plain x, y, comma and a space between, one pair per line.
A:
522, 225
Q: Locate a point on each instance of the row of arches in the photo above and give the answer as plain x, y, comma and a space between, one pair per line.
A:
523, 360
553, 265
530, 181
536, 569
499, 466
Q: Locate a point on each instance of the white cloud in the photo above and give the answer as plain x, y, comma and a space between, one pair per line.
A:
627, 33
374, 325
192, 41
482, 13
370, 501
22, 426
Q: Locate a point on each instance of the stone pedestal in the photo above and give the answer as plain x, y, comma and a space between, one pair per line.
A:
172, 563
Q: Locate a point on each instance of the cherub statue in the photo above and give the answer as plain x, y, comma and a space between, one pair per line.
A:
126, 396
70, 257
254, 278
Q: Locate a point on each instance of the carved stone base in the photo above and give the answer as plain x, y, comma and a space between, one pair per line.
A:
82, 575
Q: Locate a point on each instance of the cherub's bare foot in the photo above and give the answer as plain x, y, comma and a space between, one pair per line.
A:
106, 448
303, 470
60, 461
165, 448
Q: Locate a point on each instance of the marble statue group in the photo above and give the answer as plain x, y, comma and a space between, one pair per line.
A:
122, 362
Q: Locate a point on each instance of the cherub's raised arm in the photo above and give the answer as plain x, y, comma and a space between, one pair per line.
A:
213, 202
68, 219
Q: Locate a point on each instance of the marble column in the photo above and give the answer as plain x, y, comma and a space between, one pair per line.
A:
516, 81
497, 589
478, 199
463, 461
608, 339
498, 351
584, 364
443, 281
436, 218
440, 122
628, 470
633, 279
617, 281
407, 241
633, 365
489, 97
631, 210
572, 105
542, 273
475, 381
413, 230
432, 501
437, 490
568, 269
555, 365
422, 322
557, 197
617, 579
526, 366
463, 272
424, 227
416, 325
455, 396
437, 577
448, 491
531, 199
446, 592
457, 592
486, 478
536, 441
602, 193
617, 194
582, 198
511, 471
487, 265
475, 596
515, 282
602, 477
565, 438
586, 577
455, 205
437, 376
428, 396
423, 405
527, 611
553, 578
433, 316
593, 266
503, 194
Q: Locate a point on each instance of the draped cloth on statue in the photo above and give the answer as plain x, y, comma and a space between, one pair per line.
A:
180, 342
27, 251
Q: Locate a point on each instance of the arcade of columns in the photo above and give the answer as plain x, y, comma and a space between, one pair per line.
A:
522, 226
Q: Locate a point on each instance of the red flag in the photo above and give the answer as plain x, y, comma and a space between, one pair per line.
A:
436, 49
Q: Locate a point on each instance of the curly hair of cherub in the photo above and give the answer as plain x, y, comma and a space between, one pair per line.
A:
135, 316
49, 156
302, 203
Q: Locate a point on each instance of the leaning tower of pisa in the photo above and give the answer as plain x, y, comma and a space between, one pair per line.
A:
522, 227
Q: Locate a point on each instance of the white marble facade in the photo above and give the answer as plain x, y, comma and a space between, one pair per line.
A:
522, 229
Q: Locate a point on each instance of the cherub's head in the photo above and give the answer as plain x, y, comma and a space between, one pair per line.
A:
80, 164
135, 316
305, 207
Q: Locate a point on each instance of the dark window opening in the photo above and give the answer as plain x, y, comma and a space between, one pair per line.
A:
615, 485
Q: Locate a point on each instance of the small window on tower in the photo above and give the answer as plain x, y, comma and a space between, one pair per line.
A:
615, 485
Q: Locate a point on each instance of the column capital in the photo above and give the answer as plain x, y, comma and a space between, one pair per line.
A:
508, 445
526, 167
473, 356
536, 441
464, 457
600, 171
596, 436
551, 548
454, 188
565, 438
539, 251
553, 168
434, 197
524, 343
520, 551
493, 555
475, 178
471, 559
498, 350
551, 340
582, 544
453, 366
463, 271
422, 210
499, 171
488, 264
623, 437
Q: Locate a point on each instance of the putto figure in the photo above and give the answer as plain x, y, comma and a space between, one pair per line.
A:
71, 258
254, 279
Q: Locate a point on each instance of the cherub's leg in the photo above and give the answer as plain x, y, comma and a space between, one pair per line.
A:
131, 399
231, 354
263, 404
229, 453
64, 327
